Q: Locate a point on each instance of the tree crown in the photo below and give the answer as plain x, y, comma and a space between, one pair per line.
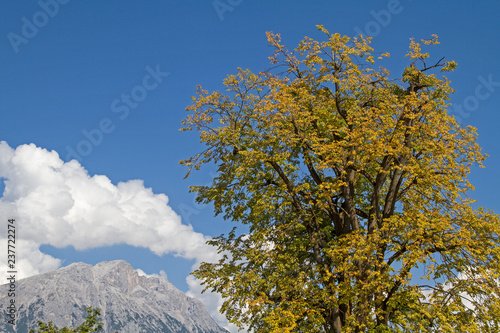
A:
350, 182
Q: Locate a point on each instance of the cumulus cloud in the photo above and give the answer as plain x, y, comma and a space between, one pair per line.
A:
29, 259
142, 273
58, 203
212, 301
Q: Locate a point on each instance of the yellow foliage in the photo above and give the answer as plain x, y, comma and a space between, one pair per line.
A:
351, 182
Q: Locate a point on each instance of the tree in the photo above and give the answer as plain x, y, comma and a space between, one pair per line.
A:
91, 324
350, 183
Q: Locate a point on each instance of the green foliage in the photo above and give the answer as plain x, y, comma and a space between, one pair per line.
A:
350, 182
91, 324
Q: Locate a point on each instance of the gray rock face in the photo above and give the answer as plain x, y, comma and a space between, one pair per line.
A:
129, 303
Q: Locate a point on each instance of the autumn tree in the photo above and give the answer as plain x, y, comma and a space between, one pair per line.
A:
91, 324
353, 185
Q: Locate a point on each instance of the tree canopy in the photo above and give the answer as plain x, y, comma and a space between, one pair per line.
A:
91, 324
353, 185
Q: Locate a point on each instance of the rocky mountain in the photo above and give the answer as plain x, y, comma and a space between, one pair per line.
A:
129, 303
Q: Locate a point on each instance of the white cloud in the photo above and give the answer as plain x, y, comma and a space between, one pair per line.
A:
60, 204
142, 273
212, 301
29, 259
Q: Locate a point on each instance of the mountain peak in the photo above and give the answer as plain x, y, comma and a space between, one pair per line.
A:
129, 303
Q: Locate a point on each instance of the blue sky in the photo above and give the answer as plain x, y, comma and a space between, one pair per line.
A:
110, 81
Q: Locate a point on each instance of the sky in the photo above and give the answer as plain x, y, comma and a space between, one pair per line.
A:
93, 94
